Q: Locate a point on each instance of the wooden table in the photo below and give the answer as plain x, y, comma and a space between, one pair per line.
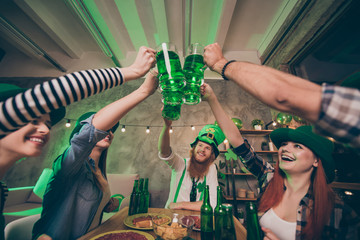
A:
116, 222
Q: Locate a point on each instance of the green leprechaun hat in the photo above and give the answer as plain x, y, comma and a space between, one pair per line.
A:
212, 135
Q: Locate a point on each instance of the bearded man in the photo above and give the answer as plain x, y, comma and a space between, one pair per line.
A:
189, 176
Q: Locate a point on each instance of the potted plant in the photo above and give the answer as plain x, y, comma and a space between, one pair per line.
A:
257, 124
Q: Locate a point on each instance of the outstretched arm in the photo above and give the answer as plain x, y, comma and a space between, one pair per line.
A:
64, 90
108, 116
226, 124
279, 90
164, 140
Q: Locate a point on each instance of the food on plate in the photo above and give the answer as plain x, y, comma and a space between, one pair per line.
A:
196, 219
172, 232
146, 222
122, 236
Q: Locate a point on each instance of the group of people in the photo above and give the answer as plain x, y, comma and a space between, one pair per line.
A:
295, 201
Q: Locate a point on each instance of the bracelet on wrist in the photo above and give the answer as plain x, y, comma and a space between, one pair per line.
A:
224, 68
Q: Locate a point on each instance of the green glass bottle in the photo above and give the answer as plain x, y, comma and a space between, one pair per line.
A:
252, 223
228, 228
219, 215
206, 218
132, 204
145, 197
139, 197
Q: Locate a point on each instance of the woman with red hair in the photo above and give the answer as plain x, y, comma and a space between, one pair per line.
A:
296, 200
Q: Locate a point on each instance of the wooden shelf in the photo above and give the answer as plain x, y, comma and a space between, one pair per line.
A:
230, 198
240, 174
344, 185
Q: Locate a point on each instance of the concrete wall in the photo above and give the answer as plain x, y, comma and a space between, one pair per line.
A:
135, 151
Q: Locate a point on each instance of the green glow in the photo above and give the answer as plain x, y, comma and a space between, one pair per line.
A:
159, 11
204, 29
129, 14
100, 22
28, 212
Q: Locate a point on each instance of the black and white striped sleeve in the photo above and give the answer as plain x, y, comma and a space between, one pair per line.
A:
17, 111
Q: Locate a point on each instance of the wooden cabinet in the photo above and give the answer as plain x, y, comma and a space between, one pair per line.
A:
232, 176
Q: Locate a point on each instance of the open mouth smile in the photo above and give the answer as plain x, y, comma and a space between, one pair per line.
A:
287, 158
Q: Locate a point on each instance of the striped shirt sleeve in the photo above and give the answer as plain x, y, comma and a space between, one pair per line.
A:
17, 111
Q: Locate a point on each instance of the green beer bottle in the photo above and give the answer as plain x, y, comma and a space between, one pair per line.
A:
228, 228
252, 223
206, 217
132, 204
139, 197
145, 197
219, 215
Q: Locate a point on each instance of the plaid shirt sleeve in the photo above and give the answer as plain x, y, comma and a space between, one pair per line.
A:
340, 114
261, 169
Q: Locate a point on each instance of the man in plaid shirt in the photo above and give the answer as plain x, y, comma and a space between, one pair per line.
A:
335, 111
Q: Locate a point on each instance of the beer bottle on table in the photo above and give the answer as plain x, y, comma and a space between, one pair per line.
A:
132, 204
139, 197
206, 217
219, 215
228, 228
253, 228
145, 197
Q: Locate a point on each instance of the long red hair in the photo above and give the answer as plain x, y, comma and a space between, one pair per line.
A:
322, 200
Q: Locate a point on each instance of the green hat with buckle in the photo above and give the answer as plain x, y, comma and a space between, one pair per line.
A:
9, 90
212, 135
320, 146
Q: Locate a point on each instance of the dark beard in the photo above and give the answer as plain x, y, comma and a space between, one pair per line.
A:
199, 170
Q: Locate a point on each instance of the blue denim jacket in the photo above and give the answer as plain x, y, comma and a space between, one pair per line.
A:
72, 196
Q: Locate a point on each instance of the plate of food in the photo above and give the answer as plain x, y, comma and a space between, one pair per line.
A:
124, 234
143, 221
197, 226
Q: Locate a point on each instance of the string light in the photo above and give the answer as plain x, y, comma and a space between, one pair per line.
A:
171, 130
147, 129
123, 128
192, 127
68, 124
226, 141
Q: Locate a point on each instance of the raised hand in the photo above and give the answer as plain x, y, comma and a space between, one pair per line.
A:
143, 62
213, 57
207, 92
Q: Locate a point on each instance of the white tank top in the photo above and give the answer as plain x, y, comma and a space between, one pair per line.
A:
284, 230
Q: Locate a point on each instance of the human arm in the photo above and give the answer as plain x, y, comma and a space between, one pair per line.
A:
62, 91
164, 140
195, 206
279, 90
226, 124
108, 116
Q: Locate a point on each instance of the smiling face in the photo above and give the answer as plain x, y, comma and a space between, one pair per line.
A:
202, 151
29, 140
296, 158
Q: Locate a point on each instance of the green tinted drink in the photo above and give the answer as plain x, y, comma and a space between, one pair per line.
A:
139, 197
173, 97
192, 94
252, 223
133, 200
145, 195
194, 63
170, 71
219, 215
171, 112
206, 218
228, 229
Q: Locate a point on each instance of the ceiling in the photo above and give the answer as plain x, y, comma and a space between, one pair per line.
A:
50, 37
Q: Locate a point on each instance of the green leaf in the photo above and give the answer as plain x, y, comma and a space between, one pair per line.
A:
230, 155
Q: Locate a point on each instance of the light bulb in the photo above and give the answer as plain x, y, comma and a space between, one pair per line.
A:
225, 141
147, 129
68, 124
171, 130
123, 128
192, 127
